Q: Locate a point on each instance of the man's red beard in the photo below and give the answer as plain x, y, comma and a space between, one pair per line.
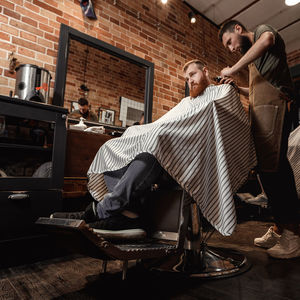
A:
198, 89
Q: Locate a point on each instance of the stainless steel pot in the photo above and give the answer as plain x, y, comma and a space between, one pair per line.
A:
32, 83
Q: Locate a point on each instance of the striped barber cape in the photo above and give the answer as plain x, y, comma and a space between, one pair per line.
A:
293, 155
203, 143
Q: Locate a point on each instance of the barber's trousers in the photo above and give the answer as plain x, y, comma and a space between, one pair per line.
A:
127, 186
280, 186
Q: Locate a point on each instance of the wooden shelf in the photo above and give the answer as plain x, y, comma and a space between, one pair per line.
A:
24, 147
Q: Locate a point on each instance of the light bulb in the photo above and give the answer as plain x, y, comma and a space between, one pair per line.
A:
164, 1
192, 17
291, 2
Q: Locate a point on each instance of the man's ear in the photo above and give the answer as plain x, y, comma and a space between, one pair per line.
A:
205, 71
238, 28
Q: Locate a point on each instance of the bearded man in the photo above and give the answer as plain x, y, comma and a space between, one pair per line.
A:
194, 144
271, 96
83, 111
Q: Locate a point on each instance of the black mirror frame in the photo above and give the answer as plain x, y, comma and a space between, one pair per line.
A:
67, 32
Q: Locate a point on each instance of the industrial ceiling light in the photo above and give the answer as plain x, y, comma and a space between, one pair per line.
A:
291, 2
192, 17
164, 1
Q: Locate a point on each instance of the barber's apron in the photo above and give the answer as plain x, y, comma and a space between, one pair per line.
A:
267, 110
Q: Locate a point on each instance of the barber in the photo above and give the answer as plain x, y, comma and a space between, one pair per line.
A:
270, 94
83, 111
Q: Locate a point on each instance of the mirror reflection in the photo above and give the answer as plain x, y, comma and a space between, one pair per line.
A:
113, 87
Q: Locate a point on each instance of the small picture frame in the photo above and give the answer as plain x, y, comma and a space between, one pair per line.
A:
106, 116
74, 106
130, 111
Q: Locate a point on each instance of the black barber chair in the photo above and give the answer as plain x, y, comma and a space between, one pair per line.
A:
176, 240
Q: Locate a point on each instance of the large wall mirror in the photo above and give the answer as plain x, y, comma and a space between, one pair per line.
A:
117, 84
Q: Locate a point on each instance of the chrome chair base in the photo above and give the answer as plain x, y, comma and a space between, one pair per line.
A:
198, 259
206, 262
214, 262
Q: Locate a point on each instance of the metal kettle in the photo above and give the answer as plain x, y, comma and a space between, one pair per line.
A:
32, 83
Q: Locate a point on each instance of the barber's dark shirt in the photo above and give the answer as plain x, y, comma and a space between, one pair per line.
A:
273, 64
89, 116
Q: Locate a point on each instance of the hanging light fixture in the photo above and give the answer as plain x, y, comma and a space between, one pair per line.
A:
291, 2
192, 17
164, 1
83, 87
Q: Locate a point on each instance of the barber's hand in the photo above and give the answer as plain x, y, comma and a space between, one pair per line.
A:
227, 80
226, 72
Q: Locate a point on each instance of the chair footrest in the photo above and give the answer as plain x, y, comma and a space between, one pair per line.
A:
85, 238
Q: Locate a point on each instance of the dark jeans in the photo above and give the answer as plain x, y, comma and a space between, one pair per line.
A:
280, 186
126, 186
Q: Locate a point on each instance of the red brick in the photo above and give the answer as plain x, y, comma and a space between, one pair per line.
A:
45, 43
50, 68
52, 2
7, 46
51, 37
7, 4
44, 58
9, 29
120, 46
48, 7
102, 15
4, 36
26, 27
114, 20
51, 53
11, 14
29, 21
3, 80
28, 36
26, 52
3, 19
46, 28
62, 20
104, 33
55, 25
28, 45
32, 15
32, 7
18, 2
124, 26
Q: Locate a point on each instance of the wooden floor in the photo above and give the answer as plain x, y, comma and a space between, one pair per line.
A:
78, 277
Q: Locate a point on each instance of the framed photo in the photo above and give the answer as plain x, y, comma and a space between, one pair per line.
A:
74, 106
130, 111
106, 116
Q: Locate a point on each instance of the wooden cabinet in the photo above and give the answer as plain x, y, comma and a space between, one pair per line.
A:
81, 149
32, 158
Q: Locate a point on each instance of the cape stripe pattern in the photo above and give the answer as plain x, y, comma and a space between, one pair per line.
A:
293, 155
204, 143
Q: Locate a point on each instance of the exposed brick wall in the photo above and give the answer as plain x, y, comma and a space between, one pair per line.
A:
107, 78
156, 32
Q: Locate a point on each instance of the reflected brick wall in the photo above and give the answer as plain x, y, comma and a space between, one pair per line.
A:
107, 77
